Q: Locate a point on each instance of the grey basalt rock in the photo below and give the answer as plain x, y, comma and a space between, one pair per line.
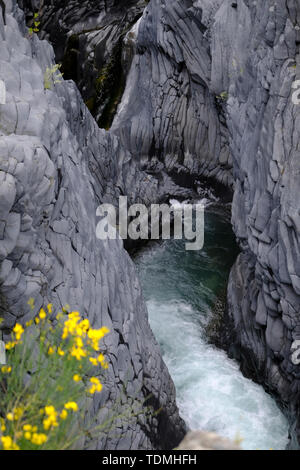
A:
208, 94
168, 115
215, 77
88, 40
255, 58
56, 166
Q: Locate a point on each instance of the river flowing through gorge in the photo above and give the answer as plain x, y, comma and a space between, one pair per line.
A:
181, 289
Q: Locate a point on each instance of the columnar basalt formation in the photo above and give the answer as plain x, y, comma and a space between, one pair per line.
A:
168, 118
88, 41
210, 95
56, 166
258, 66
216, 87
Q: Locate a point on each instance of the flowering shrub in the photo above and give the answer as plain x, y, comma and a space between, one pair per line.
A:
46, 381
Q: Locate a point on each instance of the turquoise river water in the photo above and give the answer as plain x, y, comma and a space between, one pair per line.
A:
181, 289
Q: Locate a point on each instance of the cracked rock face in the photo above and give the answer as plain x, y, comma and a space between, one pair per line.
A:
258, 65
168, 118
88, 41
209, 94
56, 166
211, 91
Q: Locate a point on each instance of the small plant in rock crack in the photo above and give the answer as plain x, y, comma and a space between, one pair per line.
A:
223, 96
35, 25
52, 76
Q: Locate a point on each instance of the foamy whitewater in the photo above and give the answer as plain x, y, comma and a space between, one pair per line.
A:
181, 288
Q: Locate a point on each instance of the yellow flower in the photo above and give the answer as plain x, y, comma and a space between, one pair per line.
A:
51, 351
60, 352
39, 439
49, 308
71, 405
10, 345
74, 315
42, 314
71, 324
6, 369
96, 387
10, 416
101, 360
27, 435
8, 443
27, 427
29, 323
94, 380
85, 324
64, 414
79, 331
76, 378
18, 330
50, 422
93, 361
96, 335
79, 342
50, 410
78, 353
37, 321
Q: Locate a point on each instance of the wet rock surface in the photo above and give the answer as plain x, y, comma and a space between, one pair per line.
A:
198, 440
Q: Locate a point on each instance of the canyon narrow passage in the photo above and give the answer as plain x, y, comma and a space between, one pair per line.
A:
182, 290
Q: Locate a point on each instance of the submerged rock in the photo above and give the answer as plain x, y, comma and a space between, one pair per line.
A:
199, 440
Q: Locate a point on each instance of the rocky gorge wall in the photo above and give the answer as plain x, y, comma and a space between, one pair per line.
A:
88, 41
56, 166
208, 96
259, 66
242, 60
216, 97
